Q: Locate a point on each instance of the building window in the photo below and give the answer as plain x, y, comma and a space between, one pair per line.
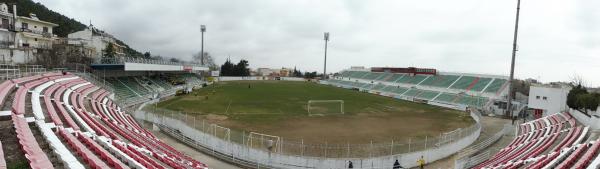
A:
545, 98
24, 25
45, 29
35, 39
537, 97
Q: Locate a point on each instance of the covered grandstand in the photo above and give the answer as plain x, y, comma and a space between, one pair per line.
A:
136, 80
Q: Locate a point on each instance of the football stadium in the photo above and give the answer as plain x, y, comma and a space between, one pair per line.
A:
76, 97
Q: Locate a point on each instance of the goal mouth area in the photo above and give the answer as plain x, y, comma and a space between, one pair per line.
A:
325, 107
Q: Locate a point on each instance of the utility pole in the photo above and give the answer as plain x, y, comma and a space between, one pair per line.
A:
512, 66
326, 38
202, 29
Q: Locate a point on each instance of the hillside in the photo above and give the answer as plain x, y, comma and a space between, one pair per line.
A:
66, 25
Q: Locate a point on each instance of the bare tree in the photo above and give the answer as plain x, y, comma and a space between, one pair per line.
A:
578, 80
208, 60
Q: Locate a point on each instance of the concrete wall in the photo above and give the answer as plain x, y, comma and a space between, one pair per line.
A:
17, 56
7, 38
236, 78
592, 121
292, 79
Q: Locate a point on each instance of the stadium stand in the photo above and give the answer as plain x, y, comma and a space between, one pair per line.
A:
461, 90
479, 84
464, 82
59, 130
412, 79
496, 85
137, 86
372, 76
443, 81
427, 94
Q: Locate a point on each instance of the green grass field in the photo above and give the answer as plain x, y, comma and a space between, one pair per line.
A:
279, 108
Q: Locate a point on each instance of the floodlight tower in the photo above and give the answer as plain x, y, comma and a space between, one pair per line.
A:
512, 66
202, 29
326, 38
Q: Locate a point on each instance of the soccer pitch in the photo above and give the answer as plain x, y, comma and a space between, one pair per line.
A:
280, 108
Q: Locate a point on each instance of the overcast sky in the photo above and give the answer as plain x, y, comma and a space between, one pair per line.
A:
557, 39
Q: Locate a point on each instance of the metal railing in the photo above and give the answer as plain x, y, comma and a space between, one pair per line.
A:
84, 71
467, 158
44, 34
12, 71
122, 60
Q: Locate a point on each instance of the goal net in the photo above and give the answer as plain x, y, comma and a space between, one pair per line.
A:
264, 142
220, 132
325, 107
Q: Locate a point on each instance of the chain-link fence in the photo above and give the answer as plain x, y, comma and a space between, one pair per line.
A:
237, 143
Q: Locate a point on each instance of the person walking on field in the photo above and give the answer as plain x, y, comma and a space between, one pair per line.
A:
421, 162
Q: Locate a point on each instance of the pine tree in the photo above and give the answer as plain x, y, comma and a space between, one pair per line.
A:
109, 51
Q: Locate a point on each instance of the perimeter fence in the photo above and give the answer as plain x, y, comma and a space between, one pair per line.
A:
253, 149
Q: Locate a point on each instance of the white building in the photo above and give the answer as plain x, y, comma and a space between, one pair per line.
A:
34, 33
22, 36
7, 36
265, 71
548, 99
96, 40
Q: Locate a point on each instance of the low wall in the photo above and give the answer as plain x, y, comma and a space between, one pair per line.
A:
257, 158
292, 79
592, 121
236, 78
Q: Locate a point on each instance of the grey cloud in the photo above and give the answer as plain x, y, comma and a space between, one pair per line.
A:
461, 35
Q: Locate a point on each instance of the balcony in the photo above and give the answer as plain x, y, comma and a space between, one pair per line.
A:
44, 34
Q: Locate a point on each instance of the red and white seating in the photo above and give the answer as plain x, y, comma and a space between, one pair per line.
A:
90, 130
536, 137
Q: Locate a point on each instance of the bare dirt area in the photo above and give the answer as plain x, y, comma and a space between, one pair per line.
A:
361, 128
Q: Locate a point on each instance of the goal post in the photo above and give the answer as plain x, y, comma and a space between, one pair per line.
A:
264, 141
220, 132
325, 107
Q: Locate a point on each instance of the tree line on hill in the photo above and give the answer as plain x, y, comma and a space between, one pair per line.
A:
242, 69
308, 75
65, 26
